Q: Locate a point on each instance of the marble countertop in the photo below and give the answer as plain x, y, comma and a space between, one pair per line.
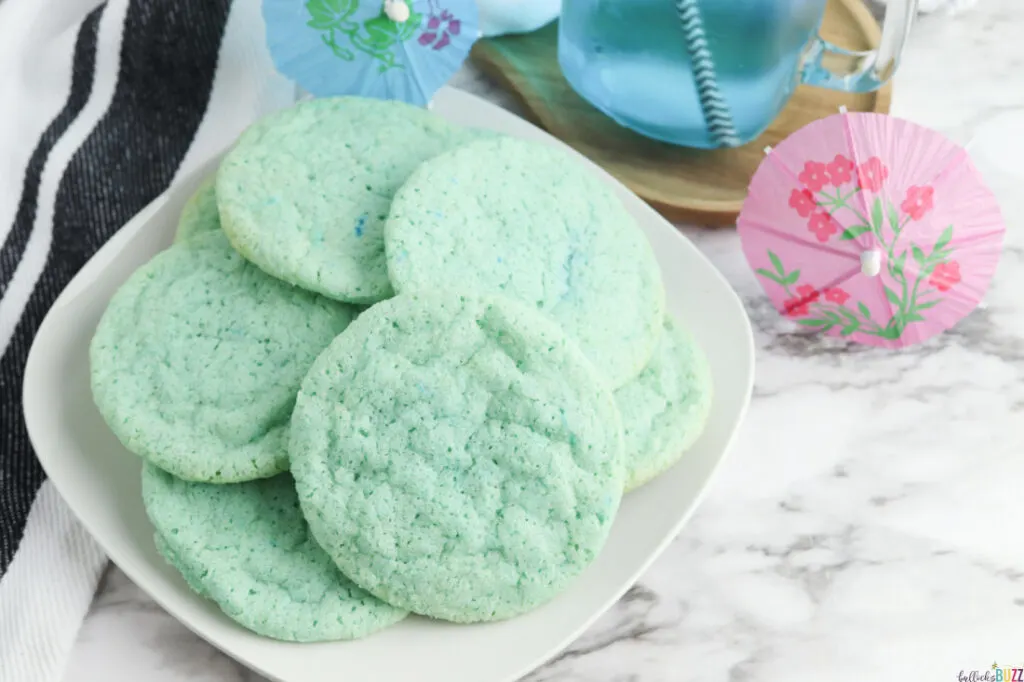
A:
860, 529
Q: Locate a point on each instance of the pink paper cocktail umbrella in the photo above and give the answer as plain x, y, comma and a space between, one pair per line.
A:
872, 228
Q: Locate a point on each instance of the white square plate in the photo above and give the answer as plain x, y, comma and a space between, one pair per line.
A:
99, 479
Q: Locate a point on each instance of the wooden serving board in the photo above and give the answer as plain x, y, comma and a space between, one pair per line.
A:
687, 185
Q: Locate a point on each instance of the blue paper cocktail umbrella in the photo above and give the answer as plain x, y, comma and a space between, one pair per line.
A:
395, 49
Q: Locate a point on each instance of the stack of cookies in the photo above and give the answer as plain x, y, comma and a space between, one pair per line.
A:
392, 365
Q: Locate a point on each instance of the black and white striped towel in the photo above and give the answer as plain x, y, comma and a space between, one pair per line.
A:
102, 106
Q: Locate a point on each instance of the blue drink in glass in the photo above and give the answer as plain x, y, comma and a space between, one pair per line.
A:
630, 59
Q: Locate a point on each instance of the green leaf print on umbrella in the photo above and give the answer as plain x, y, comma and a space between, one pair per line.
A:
375, 37
826, 307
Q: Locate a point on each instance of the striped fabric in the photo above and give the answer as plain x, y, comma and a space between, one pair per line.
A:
102, 105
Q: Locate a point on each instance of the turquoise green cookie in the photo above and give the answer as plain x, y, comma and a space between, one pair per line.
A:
528, 221
457, 456
199, 214
247, 548
198, 358
664, 410
305, 192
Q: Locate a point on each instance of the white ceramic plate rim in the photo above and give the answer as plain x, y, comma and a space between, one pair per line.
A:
99, 479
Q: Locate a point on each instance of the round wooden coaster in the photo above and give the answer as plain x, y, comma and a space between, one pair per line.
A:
687, 185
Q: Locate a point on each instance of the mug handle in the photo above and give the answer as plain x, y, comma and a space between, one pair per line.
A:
829, 66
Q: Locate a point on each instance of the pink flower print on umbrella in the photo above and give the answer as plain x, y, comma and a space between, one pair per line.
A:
945, 276
871, 174
871, 228
840, 170
803, 201
807, 292
822, 225
444, 25
836, 295
813, 176
918, 201
797, 307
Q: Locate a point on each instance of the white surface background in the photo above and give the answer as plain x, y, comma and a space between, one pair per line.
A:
865, 526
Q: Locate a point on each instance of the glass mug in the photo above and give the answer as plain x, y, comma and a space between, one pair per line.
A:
712, 73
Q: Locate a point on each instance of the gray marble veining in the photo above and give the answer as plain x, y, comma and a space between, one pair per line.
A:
863, 526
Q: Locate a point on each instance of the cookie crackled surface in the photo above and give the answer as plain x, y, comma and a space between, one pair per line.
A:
457, 456
529, 221
200, 214
664, 409
246, 547
197, 360
305, 191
